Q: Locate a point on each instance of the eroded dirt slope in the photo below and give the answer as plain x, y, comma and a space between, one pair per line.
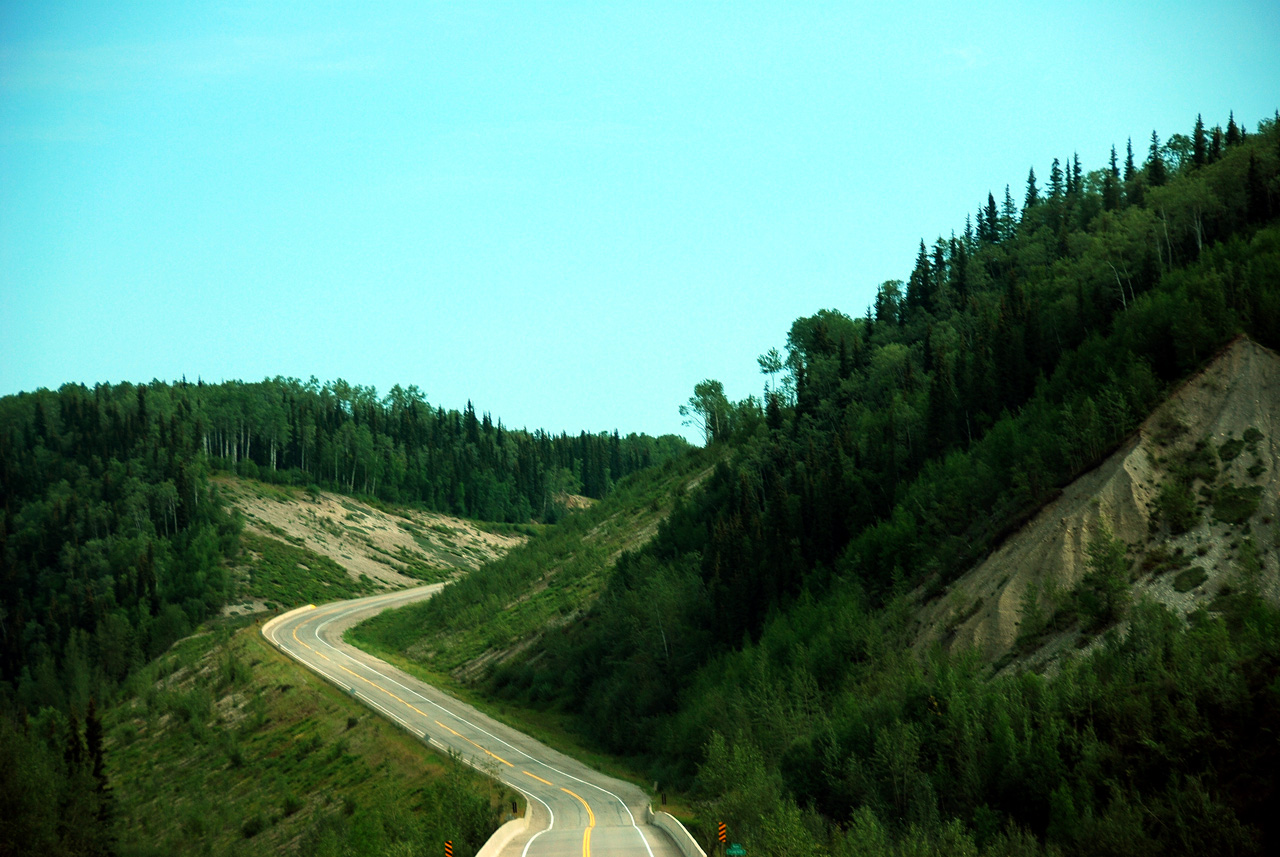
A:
388, 547
1228, 415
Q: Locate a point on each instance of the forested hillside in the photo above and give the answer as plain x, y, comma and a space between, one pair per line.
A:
893, 450
114, 541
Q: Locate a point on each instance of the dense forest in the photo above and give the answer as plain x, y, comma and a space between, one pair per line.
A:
113, 535
113, 539
892, 451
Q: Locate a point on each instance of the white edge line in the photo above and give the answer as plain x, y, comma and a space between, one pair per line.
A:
460, 719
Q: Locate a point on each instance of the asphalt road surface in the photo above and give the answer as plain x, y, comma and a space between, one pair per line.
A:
573, 810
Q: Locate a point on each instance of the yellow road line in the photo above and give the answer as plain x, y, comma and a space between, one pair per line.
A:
536, 777
499, 758
586, 834
404, 702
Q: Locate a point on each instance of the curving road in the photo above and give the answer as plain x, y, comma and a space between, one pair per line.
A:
573, 810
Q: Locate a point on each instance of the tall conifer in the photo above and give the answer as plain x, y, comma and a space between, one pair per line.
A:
1155, 163
1233, 130
1199, 147
1111, 184
1033, 193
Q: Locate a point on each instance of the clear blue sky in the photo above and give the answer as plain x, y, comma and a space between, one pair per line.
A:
568, 213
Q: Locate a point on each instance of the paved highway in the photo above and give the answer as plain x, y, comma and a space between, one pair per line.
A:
572, 809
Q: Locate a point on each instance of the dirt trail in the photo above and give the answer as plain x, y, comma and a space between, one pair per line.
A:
1047, 558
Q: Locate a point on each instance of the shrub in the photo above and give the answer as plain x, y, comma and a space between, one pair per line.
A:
1190, 578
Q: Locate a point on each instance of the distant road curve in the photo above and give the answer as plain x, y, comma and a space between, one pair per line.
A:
573, 810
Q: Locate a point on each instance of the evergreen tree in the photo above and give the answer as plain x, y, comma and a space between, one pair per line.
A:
1111, 184
1199, 148
1033, 193
939, 271
1077, 174
1155, 163
1055, 181
1215, 144
1129, 169
1233, 131
1008, 215
919, 286
992, 220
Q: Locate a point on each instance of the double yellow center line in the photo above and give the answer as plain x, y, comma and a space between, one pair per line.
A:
398, 699
591, 816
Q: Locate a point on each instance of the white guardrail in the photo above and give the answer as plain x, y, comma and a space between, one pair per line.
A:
502, 836
684, 840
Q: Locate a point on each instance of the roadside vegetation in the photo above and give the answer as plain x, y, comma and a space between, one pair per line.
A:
757, 650
224, 746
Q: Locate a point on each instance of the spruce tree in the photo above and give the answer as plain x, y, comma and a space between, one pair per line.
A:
1233, 131
939, 271
1111, 184
1215, 144
993, 219
1077, 174
1055, 181
1199, 147
1008, 215
1033, 193
1129, 169
1155, 163
918, 296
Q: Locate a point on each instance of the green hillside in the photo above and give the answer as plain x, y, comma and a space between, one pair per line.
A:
758, 648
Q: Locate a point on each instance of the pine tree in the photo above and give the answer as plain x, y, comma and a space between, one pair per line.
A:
993, 219
1199, 149
918, 287
1076, 173
939, 271
1111, 184
1233, 131
1033, 193
1215, 144
1129, 169
1055, 181
1155, 163
1008, 216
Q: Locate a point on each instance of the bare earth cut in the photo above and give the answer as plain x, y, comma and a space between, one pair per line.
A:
1224, 419
365, 540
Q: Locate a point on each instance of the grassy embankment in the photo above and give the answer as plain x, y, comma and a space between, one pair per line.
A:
224, 746
452, 640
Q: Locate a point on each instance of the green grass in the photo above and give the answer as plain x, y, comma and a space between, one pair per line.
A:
224, 746
553, 728
537, 587
540, 585
291, 575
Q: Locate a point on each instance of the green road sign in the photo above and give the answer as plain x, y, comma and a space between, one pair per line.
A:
735, 850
